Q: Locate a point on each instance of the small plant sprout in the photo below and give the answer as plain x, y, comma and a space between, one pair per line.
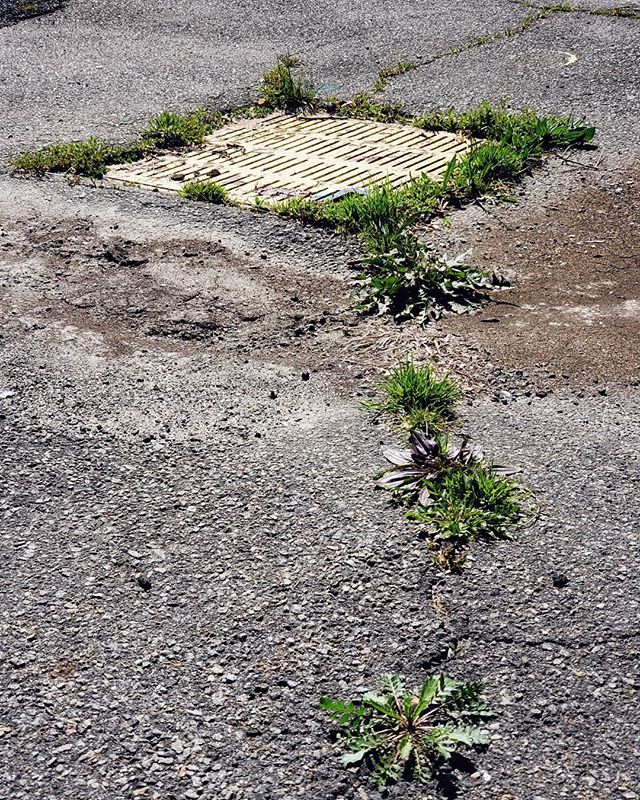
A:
205, 192
416, 397
398, 733
281, 89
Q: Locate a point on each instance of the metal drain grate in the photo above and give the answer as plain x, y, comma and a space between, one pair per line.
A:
287, 156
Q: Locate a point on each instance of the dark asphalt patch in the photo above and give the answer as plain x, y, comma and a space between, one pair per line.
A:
13, 11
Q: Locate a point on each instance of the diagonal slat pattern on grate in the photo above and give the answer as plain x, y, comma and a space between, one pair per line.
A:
286, 156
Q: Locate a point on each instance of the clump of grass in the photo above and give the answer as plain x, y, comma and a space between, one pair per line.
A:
168, 129
512, 127
466, 505
89, 158
205, 192
415, 396
470, 503
379, 215
399, 733
487, 166
386, 73
92, 156
281, 89
300, 208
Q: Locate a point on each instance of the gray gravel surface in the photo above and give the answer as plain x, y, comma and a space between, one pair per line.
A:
193, 552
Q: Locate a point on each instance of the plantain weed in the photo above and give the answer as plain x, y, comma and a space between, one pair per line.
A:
416, 397
399, 733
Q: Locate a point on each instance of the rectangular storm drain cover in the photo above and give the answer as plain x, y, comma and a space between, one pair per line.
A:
286, 156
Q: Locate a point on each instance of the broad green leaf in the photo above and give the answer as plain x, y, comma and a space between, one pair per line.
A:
353, 758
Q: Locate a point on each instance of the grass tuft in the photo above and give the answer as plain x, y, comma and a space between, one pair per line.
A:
467, 505
363, 106
470, 503
91, 157
416, 397
453, 492
205, 192
281, 89
168, 129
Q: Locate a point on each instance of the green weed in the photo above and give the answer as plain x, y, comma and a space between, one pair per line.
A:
89, 158
453, 492
413, 283
169, 129
501, 125
416, 397
391, 72
363, 106
281, 89
487, 166
205, 192
628, 13
399, 733
465, 505
300, 208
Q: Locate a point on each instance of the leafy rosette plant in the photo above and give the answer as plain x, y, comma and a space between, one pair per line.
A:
398, 732
426, 460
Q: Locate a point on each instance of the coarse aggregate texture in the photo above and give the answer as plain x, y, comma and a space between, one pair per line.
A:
193, 550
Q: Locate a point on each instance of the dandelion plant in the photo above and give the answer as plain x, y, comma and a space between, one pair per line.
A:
400, 733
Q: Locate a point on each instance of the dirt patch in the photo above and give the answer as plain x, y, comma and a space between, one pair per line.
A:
179, 289
573, 314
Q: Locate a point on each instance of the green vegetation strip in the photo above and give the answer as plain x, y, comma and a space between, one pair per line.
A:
449, 488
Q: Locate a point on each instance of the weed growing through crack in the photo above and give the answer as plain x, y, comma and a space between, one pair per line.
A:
399, 733
522, 128
454, 493
205, 192
281, 88
416, 397
363, 106
92, 156
386, 73
627, 13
